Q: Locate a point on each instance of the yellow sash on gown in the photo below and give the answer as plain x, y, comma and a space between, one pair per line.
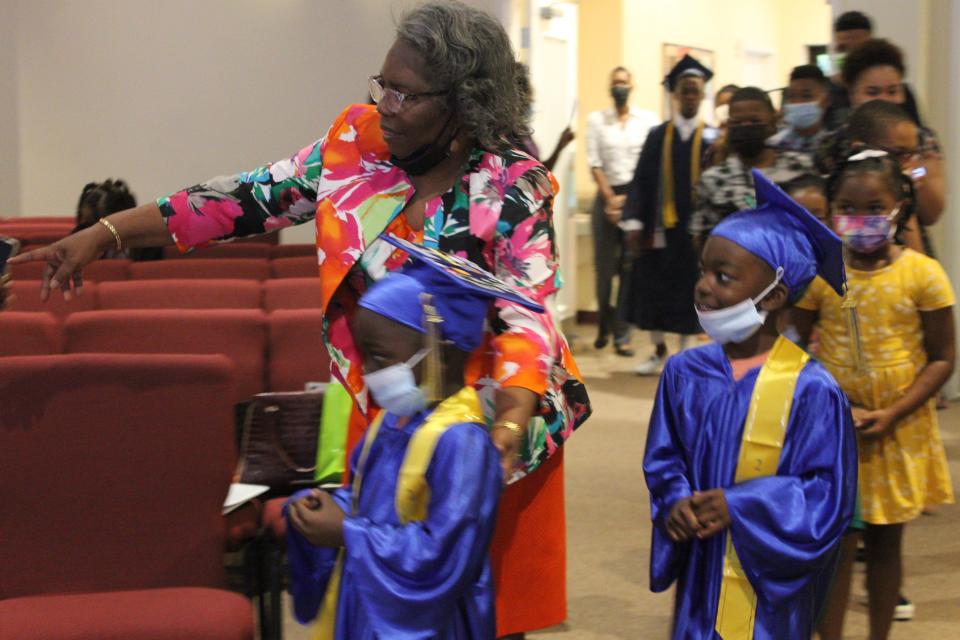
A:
413, 492
760, 451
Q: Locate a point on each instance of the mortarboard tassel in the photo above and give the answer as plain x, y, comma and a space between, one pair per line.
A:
849, 306
432, 384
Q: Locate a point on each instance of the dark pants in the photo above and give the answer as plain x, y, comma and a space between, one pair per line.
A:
611, 260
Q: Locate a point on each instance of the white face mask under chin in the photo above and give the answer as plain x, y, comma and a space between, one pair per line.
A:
738, 322
395, 388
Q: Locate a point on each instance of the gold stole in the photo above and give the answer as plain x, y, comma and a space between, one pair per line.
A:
670, 217
760, 450
413, 492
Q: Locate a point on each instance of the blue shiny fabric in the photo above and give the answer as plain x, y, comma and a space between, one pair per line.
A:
784, 234
418, 581
785, 528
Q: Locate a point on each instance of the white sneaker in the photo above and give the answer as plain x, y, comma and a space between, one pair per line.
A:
904, 610
649, 367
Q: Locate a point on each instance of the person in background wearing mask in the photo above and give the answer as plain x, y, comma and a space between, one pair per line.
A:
657, 211
851, 30
614, 138
751, 458
804, 101
728, 187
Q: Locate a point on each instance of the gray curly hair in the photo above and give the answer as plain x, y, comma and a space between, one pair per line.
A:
467, 50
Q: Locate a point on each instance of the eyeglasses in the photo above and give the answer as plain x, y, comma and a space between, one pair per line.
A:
392, 99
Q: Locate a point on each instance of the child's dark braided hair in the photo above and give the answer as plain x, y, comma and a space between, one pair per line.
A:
101, 199
866, 159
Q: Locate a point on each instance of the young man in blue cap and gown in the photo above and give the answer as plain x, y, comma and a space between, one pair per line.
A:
658, 207
751, 457
402, 553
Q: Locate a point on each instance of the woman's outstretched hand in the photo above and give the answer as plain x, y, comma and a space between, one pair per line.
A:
66, 259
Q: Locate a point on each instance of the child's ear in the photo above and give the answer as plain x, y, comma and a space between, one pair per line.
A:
776, 299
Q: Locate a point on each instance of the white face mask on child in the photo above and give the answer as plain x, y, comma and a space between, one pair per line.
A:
738, 322
395, 388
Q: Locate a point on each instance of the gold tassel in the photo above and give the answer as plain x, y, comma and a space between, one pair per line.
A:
432, 383
849, 306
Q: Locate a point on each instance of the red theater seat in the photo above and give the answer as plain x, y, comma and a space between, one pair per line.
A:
29, 334
184, 613
96, 271
249, 268
297, 353
27, 294
302, 267
48, 220
180, 294
35, 233
293, 251
291, 293
226, 250
240, 334
124, 538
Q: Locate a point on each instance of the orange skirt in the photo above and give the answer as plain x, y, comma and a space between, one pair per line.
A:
529, 552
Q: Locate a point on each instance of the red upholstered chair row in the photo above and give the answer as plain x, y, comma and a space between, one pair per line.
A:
194, 268
281, 351
29, 334
240, 334
39, 219
113, 470
246, 250
226, 250
251, 268
180, 294
35, 232
98, 271
27, 298
271, 295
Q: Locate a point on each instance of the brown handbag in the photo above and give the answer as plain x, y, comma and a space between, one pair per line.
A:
279, 446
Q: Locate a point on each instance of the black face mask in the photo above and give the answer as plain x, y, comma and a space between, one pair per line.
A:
748, 139
429, 155
619, 95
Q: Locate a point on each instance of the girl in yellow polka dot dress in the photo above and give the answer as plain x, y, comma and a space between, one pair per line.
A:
891, 363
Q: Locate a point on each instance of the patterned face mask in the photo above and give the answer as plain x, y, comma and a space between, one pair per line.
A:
866, 234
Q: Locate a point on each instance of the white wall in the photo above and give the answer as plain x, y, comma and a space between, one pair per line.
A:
168, 93
9, 132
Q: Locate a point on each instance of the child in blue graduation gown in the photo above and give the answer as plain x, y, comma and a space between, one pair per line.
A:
402, 553
751, 456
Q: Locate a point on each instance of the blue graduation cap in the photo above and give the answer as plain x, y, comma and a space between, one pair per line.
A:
460, 291
784, 234
687, 66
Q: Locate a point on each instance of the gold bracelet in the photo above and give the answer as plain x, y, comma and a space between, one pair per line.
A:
113, 230
512, 427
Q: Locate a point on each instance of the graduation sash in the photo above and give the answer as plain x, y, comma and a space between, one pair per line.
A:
413, 492
669, 205
760, 450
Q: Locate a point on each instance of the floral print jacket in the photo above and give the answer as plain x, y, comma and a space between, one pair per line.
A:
498, 215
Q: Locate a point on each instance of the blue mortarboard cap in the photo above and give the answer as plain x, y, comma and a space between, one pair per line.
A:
687, 66
784, 234
460, 291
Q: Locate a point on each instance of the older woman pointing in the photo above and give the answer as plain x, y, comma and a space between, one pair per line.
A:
430, 164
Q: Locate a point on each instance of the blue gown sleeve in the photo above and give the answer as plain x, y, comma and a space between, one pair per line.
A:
410, 577
310, 567
785, 528
665, 467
